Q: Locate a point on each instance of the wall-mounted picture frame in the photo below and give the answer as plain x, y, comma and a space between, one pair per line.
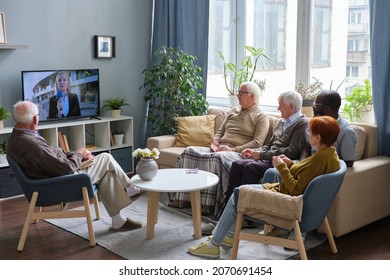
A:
104, 46
3, 36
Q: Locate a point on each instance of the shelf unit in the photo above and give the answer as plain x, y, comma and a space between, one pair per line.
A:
90, 132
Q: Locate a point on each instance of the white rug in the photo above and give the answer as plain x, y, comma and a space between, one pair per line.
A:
172, 236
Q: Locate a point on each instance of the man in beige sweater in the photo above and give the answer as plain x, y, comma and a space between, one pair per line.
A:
245, 126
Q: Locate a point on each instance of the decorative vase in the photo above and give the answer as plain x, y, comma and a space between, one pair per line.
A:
146, 169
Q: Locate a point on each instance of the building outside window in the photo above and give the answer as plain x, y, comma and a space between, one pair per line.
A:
337, 43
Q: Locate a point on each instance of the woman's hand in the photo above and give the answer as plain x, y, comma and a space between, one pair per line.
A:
286, 160
277, 160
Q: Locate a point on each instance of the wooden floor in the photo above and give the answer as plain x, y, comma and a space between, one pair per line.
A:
46, 241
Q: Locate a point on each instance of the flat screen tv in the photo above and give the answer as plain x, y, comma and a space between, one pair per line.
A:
63, 94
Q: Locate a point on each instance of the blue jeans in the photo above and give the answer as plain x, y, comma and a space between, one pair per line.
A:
227, 222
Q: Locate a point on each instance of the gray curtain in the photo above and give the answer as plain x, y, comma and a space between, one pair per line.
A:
380, 58
183, 24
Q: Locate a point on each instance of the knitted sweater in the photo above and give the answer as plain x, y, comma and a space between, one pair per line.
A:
243, 128
297, 178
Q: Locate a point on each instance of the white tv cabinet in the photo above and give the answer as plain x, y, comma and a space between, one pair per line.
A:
90, 132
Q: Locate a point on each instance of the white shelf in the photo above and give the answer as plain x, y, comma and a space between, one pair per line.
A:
83, 132
12, 47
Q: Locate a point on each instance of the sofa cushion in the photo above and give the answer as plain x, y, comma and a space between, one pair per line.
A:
361, 141
195, 131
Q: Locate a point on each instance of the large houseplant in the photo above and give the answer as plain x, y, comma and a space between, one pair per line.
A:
358, 102
244, 72
172, 83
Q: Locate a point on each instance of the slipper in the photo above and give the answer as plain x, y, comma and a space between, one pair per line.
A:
208, 229
127, 226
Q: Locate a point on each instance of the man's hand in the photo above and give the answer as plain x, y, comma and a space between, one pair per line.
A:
86, 154
250, 153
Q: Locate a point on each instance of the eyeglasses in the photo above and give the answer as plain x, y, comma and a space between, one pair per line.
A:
241, 92
319, 105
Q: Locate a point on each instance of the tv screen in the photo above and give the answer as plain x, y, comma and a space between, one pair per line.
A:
63, 94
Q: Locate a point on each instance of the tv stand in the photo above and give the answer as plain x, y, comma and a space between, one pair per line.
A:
94, 117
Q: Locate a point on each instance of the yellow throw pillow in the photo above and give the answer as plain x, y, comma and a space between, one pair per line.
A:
195, 131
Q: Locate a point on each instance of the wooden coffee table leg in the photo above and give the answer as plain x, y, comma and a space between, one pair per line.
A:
196, 213
152, 214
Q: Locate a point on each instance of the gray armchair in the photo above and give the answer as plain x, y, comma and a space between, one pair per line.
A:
60, 191
277, 211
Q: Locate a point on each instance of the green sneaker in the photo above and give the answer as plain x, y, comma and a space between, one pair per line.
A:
227, 241
203, 251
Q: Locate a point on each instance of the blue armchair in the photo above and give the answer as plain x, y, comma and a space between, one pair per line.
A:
277, 211
60, 191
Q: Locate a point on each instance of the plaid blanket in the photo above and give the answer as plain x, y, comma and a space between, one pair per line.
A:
219, 163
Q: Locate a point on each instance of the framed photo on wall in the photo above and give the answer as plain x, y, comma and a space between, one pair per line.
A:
104, 46
3, 37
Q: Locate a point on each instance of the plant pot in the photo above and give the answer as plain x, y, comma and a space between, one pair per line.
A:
1, 124
233, 100
146, 169
368, 115
3, 159
116, 113
307, 107
118, 139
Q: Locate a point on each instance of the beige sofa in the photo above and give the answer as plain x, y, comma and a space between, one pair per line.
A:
364, 196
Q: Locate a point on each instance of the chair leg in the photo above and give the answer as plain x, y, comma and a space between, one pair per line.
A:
236, 240
96, 205
301, 245
87, 206
329, 235
27, 222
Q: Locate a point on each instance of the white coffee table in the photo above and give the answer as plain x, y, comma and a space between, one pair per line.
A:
175, 180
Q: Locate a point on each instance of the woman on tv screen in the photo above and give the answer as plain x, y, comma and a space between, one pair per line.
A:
64, 103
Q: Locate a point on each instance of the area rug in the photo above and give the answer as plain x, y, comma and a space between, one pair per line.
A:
173, 235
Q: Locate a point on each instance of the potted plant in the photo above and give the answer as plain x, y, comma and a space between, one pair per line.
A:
114, 105
172, 83
309, 95
4, 114
244, 73
358, 103
3, 152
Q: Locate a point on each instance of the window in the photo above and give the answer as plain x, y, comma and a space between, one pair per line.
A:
352, 71
335, 46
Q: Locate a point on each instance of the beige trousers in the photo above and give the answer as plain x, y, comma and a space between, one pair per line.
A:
111, 180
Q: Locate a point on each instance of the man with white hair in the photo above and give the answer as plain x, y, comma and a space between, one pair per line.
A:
244, 126
38, 159
289, 139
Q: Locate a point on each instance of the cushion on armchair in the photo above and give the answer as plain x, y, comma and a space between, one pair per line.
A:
274, 208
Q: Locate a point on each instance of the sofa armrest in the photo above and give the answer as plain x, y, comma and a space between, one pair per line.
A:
161, 142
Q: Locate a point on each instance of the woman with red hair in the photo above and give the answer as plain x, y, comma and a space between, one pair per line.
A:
296, 176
